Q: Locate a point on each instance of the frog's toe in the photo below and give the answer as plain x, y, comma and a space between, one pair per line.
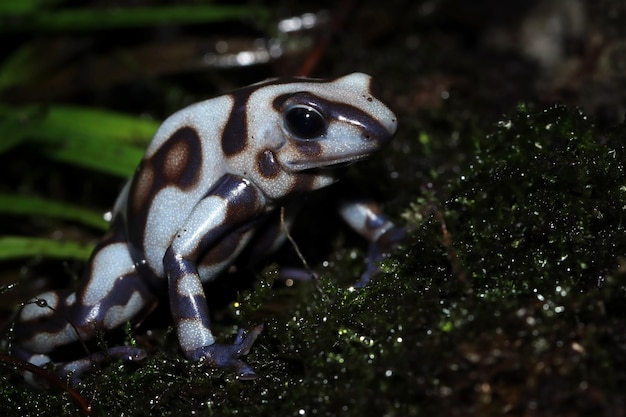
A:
227, 356
378, 250
76, 368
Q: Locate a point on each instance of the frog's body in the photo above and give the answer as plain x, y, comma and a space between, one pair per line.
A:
213, 173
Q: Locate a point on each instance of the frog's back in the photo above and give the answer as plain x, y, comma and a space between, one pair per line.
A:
182, 163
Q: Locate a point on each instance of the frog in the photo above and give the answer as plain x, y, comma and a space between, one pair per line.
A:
207, 190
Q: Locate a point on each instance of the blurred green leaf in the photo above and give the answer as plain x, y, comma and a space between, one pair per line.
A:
103, 125
100, 140
123, 17
18, 67
24, 6
22, 205
14, 126
22, 65
12, 247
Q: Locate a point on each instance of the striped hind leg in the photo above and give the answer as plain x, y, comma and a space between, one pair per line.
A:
111, 294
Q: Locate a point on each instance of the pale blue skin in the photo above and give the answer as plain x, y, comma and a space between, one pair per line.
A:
211, 177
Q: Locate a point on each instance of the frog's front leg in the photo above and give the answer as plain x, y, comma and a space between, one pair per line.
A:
365, 217
214, 233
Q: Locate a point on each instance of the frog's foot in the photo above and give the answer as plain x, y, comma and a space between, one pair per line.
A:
73, 369
378, 250
76, 368
227, 356
296, 274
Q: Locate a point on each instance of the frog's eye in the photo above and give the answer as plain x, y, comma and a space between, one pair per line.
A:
305, 122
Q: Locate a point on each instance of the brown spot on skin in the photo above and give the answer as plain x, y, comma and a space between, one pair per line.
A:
279, 102
140, 197
303, 182
179, 160
374, 89
267, 164
235, 133
223, 250
242, 206
142, 187
309, 148
175, 161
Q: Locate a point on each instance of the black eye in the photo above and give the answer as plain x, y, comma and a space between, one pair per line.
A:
305, 122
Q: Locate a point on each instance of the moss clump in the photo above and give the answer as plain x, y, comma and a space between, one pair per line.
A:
534, 234
542, 204
507, 298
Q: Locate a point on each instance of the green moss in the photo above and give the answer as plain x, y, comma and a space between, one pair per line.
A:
507, 297
531, 296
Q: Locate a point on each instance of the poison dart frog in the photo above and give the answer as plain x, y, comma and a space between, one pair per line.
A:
210, 184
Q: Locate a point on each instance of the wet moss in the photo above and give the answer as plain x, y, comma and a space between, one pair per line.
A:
508, 297
547, 192
534, 232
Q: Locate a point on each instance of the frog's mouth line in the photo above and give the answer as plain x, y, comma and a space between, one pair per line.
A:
334, 163
338, 165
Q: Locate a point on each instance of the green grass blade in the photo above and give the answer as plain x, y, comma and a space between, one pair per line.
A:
22, 205
63, 122
12, 7
21, 66
104, 141
15, 247
15, 126
125, 17
107, 157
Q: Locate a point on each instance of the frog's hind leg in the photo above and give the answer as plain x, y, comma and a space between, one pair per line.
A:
111, 294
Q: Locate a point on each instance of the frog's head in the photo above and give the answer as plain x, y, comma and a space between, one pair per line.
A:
298, 129
332, 123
